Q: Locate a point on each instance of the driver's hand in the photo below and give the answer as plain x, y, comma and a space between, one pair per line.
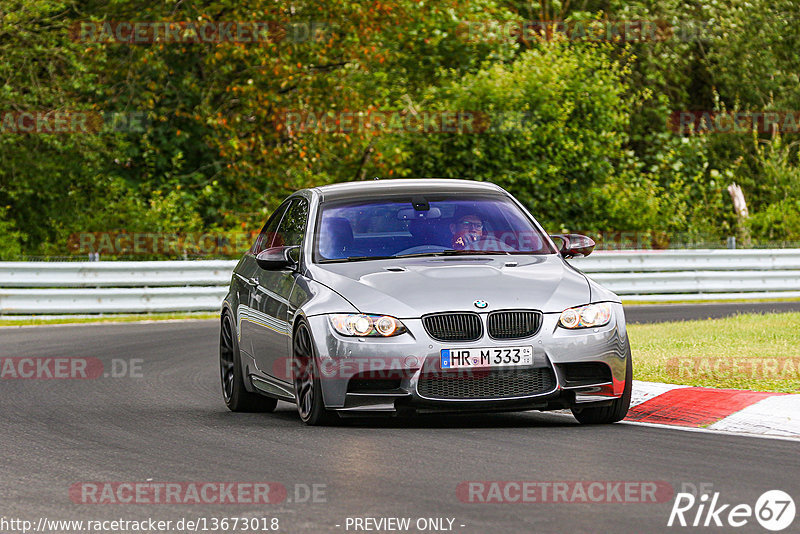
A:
462, 240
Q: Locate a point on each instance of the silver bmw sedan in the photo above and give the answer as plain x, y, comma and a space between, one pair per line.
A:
413, 296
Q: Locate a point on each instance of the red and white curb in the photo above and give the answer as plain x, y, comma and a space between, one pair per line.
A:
724, 410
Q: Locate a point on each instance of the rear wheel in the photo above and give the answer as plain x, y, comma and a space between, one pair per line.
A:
236, 397
616, 411
307, 387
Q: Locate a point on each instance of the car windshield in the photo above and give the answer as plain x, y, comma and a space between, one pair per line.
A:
356, 230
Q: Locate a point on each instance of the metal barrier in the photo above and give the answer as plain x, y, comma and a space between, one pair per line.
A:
653, 276
115, 273
111, 300
113, 287
160, 286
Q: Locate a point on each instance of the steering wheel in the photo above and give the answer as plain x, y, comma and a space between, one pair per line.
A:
421, 249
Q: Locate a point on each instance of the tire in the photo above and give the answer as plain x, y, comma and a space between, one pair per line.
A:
616, 411
236, 397
307, 386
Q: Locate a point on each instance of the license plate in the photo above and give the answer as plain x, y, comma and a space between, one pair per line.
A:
486, 357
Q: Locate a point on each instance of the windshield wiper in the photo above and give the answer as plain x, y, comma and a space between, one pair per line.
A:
452, 252
448, 252
355, 258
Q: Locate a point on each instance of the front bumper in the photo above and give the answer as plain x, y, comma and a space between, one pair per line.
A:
369, 375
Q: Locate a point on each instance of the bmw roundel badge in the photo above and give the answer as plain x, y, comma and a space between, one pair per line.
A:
481, 304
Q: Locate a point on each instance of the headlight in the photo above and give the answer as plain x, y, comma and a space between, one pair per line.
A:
585, 316
360, 325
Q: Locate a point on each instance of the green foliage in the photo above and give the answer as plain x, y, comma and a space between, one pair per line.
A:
558, 121
581, 133
777, 208
564, 148
11, 243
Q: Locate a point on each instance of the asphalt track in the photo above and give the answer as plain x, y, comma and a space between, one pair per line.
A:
170, 425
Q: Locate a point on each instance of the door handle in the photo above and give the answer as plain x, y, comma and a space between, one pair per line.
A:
251, 282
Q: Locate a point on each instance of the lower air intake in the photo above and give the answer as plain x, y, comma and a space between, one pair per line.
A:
479, 385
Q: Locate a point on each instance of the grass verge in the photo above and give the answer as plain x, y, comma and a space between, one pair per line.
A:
114, 318
750, 351
706, 301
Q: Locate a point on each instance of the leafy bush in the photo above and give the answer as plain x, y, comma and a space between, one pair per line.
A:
12, 240
775, 211
567, 155
578, 131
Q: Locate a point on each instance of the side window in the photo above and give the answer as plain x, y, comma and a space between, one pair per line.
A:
267, 235
293, 226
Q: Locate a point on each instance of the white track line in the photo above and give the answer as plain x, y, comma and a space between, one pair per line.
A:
713, 431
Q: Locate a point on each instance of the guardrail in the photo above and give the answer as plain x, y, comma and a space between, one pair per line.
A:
653, 276
159, 286
115, 273
113, 287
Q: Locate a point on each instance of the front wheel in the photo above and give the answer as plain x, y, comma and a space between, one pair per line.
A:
236, 397
307, 387
618, 408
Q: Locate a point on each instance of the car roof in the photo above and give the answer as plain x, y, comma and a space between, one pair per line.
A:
404, 186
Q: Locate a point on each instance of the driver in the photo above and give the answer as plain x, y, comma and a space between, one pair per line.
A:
467, 229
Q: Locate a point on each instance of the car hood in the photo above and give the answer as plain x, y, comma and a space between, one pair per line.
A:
412, 287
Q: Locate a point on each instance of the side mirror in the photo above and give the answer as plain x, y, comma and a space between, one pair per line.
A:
572, 245
278, 258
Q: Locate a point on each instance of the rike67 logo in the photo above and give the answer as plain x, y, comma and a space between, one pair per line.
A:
774, 510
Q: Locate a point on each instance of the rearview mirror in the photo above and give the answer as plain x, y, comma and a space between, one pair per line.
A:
278, 258
410, 214
572, 245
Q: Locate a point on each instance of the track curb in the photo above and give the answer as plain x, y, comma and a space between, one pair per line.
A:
727, 410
